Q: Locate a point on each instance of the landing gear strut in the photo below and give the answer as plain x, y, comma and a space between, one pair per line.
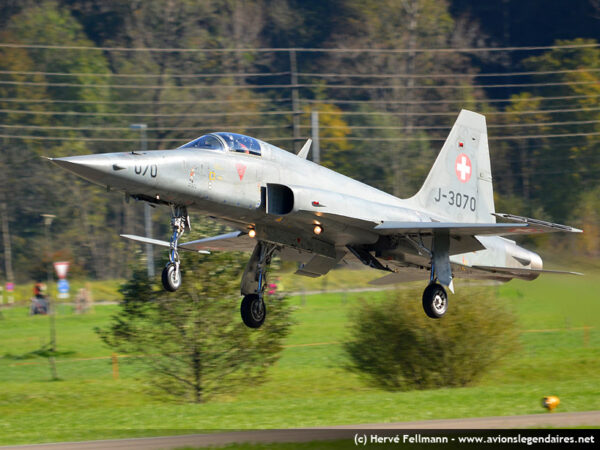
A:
171, 274
254, 281
435, 299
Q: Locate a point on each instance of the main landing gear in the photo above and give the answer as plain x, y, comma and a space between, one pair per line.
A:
254, 281
171, 274
435, 301
435, 298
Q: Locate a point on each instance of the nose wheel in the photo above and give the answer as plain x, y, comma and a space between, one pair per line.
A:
171, 277
435, 301
171, 274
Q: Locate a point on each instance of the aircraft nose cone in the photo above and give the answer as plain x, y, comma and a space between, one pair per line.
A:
91, 167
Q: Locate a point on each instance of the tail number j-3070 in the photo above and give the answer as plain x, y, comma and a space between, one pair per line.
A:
456, 199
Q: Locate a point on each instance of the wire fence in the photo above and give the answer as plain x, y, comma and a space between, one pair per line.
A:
408, 103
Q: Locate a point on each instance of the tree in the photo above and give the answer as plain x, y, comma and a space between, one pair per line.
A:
192, 341
49, 96
393, 345
398, 82
564, 168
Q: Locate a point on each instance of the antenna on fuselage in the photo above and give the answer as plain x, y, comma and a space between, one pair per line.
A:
303, 153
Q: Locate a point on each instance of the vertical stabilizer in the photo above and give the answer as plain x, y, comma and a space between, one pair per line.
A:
459, 185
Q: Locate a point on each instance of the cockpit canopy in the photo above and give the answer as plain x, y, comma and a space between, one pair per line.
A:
226, 142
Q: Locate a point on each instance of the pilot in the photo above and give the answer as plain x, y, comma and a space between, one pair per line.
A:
240, 146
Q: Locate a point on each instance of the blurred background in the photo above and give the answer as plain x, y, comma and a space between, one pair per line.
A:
379, 83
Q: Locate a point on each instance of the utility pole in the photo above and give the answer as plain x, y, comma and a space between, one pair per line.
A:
48, 218
8, 269
147, 208
314, 126
295, 99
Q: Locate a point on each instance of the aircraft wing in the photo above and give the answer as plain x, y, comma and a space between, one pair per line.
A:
234, 241
158, 242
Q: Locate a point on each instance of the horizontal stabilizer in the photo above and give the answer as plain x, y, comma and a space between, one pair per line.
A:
147, 240
455, 228
547, 227
518, 271
526, 226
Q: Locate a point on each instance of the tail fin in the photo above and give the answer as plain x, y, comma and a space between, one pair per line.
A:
459, 185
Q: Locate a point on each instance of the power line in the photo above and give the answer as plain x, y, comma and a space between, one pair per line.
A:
261, 113
305, 74
298, 49
431, 128
83, 139
141, 86
294, 86
101, 129
77, 113
287, 100
446, 86
435, 102
490, 113
446, 75
266, 127
144, 102
491, 138
273, 139
146, 75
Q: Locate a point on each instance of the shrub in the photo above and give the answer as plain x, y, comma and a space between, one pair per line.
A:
396, 347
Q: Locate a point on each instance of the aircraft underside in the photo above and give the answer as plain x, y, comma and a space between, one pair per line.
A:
282, 204
430, 256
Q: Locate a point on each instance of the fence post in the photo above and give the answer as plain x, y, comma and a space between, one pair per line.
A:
115, 366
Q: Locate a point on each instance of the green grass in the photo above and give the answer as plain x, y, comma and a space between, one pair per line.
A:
107, 291
102, 291
307, 387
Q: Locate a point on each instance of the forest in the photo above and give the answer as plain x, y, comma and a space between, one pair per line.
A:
387, 79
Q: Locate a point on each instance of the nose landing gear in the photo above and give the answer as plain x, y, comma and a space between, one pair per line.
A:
171, 274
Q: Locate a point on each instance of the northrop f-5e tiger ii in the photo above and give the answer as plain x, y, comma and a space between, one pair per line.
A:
281, 203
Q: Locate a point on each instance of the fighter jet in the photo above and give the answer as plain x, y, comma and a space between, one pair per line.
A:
282, 203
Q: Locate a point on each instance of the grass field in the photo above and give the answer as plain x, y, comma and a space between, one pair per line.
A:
560, 354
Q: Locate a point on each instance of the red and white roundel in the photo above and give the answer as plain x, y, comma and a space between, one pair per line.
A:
463, 168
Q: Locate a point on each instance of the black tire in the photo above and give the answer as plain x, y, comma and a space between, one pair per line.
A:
435, 301
171, 278
253, 311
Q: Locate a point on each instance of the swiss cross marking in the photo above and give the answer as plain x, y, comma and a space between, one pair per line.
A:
463, 168
241, 170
